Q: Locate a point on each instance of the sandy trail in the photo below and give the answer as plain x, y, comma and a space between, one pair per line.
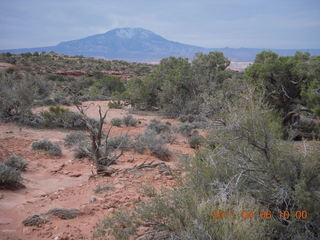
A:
64, 182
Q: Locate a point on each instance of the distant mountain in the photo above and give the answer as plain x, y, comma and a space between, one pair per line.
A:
137, 44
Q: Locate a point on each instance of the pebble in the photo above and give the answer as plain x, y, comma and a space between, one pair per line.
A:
76, 175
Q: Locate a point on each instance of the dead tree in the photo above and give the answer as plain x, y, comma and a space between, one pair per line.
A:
102, 155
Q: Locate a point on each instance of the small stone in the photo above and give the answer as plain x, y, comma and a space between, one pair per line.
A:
92, 200
76, 175
1, 196
27, 231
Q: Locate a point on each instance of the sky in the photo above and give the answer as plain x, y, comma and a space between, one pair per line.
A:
284, 24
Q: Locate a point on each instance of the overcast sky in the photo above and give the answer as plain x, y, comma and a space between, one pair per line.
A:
206, 23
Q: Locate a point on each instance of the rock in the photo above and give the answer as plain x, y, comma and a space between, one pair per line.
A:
5, 221
58, 168
1, 196
92, 200
76, 175
87, 209
27, 231
157, 177
54, 196
138, 175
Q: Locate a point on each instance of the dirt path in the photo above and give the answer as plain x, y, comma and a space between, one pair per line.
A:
64, 182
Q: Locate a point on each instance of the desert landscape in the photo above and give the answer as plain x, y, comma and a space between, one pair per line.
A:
159, 120
65, 182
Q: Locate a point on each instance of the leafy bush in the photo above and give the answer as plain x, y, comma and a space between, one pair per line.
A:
16, 95
16, 162
34, 220
195, 140
249, 168
65, 213
9, 177
75, 138
58, 117
175, 85
46, 145
150, 140
167, 137
130, 121
119, 142
160, 152
311, 94
108, 85
148, 190
192, 118
116, 122
143, 141
159, 127
81, 151
114, 105
185, 128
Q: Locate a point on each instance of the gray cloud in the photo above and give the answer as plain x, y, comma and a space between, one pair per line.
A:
209, 23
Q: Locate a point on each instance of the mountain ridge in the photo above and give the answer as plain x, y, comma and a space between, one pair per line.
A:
141, 45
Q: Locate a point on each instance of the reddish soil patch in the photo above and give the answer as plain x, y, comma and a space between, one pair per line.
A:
65, 182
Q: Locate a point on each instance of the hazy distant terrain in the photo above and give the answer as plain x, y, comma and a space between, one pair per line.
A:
140, 45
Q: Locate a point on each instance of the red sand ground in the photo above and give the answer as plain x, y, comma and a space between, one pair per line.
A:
64, 182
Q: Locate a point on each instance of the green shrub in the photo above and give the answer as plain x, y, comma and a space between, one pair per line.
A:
75, 138
114, 105
195, 140
148, 190
192, 118
311, 95
167, 137
46, 145
119, 142
160, 152
143, 141
9, 177
109, 85
16, 95
185, 128
58, 117
80, 152
129, 121
34, 220
65, 213
116, 122
159, 127
150, 140
16, 162
249, 168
